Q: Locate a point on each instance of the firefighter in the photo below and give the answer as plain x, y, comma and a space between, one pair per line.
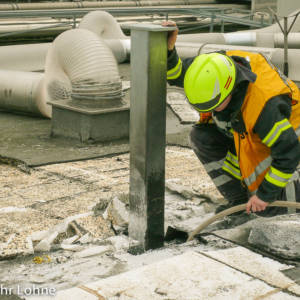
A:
248, 134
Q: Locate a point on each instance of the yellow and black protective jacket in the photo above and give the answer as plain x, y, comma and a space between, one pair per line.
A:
263, 118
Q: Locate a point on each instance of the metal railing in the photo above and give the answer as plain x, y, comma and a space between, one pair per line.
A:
211, 15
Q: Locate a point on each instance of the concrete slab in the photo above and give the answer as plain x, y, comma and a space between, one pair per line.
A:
253, 264
26, 139
188, 276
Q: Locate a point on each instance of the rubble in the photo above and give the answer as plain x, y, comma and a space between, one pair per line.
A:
278, 235
70, 240
9, 209
74, 248
85, 239
92, 251
117, 213
38, 235
186, 192
122, 243
45, 244
86, 243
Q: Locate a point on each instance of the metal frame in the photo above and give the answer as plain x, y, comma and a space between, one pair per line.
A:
217, 16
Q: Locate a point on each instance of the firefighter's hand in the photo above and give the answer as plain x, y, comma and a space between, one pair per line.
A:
172, 35
255, 204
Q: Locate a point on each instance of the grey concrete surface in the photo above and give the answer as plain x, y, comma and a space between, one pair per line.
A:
26, 139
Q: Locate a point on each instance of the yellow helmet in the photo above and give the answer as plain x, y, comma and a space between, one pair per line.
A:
209, 80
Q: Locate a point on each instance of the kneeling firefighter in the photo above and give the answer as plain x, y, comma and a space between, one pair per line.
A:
249, 129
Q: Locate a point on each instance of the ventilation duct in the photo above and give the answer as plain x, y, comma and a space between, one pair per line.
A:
79, 66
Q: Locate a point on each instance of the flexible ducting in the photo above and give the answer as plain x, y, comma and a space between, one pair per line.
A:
105, 26
24, 57
33, 56
21, 91
79, 66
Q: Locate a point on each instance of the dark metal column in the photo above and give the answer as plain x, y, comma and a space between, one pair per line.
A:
148, 134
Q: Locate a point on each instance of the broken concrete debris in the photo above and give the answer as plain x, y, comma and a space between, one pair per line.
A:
85, 239
70, 240
122, 243
174, 187
117, 213
46, 239
95, 250
190, 198
96, 226
9, 209
278, 235
45, 244
74, 247
38, 235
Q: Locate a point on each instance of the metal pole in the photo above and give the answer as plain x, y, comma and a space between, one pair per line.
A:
212, 20
148, 134
285, 34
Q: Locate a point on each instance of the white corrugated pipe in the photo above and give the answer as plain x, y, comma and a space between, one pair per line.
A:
34, 55
79, 66
105, 26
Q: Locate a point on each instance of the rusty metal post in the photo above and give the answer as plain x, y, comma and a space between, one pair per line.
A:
148, 134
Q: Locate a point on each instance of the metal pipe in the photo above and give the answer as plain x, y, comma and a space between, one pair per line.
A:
93, 4
285, 59
270, 36
106, 27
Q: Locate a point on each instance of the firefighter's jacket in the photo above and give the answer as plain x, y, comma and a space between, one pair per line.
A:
264, 119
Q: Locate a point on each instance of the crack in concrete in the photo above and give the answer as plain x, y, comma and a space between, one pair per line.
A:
277, 289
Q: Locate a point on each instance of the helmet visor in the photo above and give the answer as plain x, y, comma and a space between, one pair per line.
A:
206, 106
